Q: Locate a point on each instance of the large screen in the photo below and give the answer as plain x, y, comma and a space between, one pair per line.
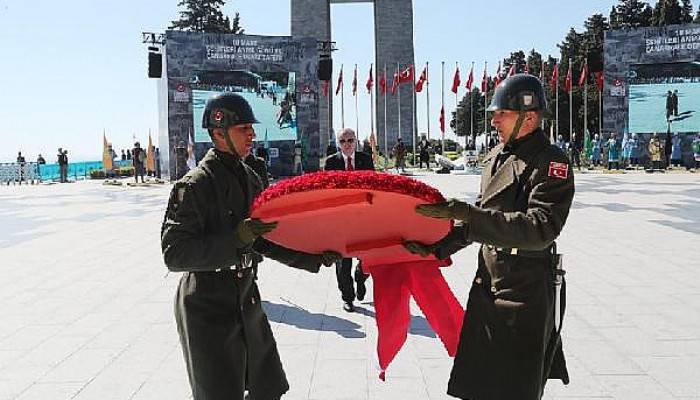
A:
664, 97
272, 95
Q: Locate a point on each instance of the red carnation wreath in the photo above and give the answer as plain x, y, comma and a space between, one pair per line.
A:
368, 215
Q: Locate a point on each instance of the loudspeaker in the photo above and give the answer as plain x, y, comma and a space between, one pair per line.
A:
325, 69
155, 65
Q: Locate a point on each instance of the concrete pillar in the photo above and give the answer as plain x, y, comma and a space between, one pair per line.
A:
393, 32
312, 18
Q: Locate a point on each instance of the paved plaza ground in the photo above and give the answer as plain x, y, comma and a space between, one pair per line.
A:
87, 312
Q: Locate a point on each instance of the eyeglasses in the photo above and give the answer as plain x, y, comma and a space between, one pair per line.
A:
346, 141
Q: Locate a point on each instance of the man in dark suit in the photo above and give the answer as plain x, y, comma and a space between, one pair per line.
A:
348, 159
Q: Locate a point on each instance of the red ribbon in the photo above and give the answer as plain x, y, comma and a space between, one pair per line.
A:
393, 287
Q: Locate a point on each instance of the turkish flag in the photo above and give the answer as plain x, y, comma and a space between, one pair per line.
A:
569, 78
407, 75
422, 79
470, 79
497, 78
395, 82
382, 84
354, 82
484, 81
442, 119
584, 74
340, 81
555, 76
370, 80
599, 80
511, 71
456, 81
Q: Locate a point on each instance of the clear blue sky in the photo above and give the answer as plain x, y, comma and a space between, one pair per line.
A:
71, 69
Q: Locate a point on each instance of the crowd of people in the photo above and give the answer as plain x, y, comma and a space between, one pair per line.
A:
633, 152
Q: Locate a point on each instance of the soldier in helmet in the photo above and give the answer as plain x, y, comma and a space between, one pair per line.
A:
510, 343
208, 235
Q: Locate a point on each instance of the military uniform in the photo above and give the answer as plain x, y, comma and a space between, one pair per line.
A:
225, 336
508, 345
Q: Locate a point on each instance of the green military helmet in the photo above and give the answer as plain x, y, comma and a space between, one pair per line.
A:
227, 109
520, 92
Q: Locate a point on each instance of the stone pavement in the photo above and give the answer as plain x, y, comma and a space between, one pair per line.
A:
87, 305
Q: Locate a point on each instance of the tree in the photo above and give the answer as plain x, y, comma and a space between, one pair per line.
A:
666, 12
205, 16
697, 16
516, 58
534, 63
630, 14
686, 12
461, 119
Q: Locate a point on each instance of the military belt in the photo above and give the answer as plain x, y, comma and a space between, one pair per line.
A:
246, 263
514, 251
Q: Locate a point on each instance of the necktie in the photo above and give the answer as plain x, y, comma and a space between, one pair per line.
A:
349, 167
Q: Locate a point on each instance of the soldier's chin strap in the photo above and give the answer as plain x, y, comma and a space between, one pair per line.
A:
516, 128
229, 143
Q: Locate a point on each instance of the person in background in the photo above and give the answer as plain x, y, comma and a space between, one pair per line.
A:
626, 152
22, 162
696, 152
63, 165
561, 143
399, 155
423, 152
613, 153
597, 150
156, 160
635, 150
668, 147
139, 157
655, 151
676, 154
348, 159
298, 162
128, 155
123, 155
40, 160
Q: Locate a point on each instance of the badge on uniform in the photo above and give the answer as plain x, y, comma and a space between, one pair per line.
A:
558, 170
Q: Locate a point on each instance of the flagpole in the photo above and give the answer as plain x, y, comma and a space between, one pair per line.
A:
571, 105
442, 92
386, 143
371, 105
542, 75
342, 99
556, 101
471, 109
585, 103
457, 110
357, 112
398, 99
600, 108
486, 105
415, 118
427, 100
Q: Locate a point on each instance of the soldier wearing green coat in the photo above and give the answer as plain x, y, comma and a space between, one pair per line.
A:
208, 235
510, 344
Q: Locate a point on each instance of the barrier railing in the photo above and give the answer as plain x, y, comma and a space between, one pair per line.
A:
31, 172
